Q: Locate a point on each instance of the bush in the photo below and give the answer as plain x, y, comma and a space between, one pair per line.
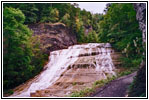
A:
82, 93
130, 62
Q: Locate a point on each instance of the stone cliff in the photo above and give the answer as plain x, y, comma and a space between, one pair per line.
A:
53, 36
139, 85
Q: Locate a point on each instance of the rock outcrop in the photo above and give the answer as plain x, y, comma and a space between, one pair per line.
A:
139, 85
72, 69
53, 36
141, 17
93, 63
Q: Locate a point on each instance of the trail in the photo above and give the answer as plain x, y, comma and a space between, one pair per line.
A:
116, 88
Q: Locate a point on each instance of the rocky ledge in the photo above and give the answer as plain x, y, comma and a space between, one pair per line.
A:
53, 36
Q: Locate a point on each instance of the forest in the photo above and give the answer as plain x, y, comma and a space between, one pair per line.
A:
22, 57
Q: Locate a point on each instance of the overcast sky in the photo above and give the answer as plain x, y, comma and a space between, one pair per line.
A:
97, 7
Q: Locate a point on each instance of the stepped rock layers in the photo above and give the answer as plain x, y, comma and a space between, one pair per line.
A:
139, 86
72, 69
53, 36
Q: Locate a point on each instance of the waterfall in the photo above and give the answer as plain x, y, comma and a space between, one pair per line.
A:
60, 60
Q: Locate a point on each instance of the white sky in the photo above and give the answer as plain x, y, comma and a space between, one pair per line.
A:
96, 7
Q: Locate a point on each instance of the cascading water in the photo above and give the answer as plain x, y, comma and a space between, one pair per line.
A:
60, 60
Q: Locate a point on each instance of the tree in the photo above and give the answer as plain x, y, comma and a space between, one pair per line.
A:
81, 35
96, 18
92, 37
86, 17
50, 15
17, 52
120, 28
30, 10
54, 15
66, 19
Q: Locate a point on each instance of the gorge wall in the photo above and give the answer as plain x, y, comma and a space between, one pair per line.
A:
139, 85
53, 36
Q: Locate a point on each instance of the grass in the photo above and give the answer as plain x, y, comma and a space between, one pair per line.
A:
124, 73
100, 83
127, 71
82, 93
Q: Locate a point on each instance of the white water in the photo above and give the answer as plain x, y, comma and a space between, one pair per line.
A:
61, 59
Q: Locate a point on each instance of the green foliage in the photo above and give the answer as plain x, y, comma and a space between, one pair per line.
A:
124, 73
66, 19
11, 92
18, 42
100, 83
82, 93
130, 62
50, 15
38, 58
22, 56
78, 24
120, 27
81, 35
70, 14
86, 17
96, 18
92, 37
16, 45
29, 10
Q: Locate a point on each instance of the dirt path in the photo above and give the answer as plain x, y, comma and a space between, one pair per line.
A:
116, 88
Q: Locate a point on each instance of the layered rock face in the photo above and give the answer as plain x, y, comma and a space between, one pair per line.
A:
53, 36
72, 69
139, 85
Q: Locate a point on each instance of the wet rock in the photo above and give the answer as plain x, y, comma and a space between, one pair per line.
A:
33, 94
73, 69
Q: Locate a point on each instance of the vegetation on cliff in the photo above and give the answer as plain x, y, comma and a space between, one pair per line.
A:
70, 14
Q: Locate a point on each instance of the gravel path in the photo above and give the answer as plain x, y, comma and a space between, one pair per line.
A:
116, 88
